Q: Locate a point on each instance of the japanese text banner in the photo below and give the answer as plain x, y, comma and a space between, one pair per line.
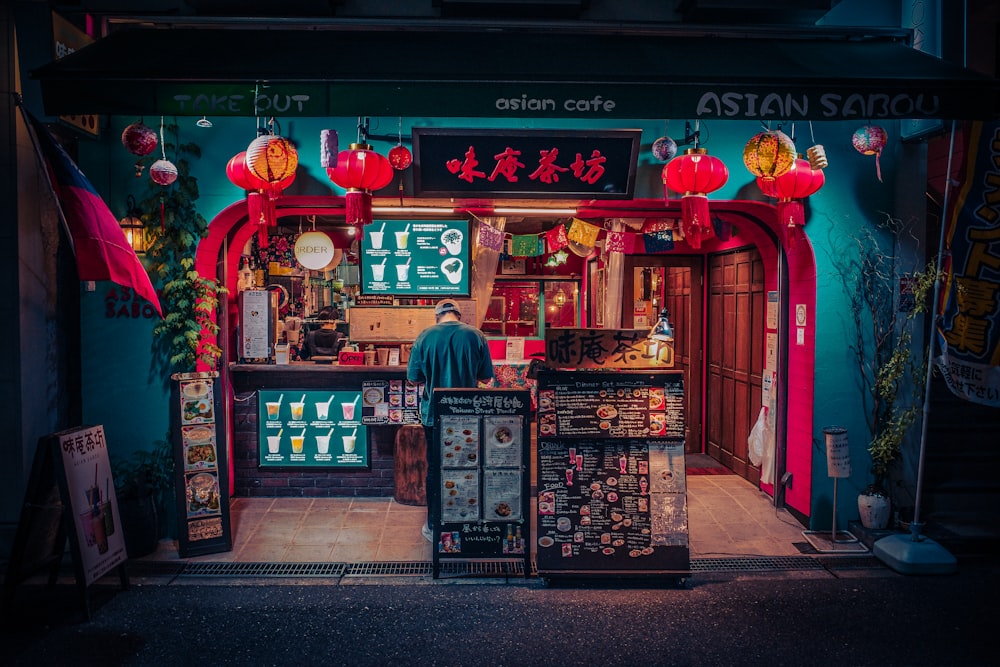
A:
969, 332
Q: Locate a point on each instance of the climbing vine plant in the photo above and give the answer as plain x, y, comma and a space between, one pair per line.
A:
173, 229
880, 335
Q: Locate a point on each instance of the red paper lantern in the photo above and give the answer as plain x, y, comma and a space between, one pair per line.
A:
695, 174
400, 157
139, 139
271, 158
791, 188
360, 170
240, 176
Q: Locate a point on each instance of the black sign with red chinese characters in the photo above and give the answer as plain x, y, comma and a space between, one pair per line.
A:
525, 163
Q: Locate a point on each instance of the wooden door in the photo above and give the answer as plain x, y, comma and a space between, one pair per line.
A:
736, 311
681, 293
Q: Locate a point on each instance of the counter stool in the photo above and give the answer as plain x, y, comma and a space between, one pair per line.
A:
410, 465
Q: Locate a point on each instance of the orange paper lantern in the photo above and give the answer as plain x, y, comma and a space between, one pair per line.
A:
271, 158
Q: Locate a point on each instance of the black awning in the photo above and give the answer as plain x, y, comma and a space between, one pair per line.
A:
459, 73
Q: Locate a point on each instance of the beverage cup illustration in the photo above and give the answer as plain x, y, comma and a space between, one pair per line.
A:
452, 240
349, 443
452, 269
297, 409
273, 444
402, 272
376, 238
323, 444
273, 408
322, 410
378, 271
348, 409
297, 441
569, 476
402, 238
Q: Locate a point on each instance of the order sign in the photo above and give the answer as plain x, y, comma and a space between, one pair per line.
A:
416, 257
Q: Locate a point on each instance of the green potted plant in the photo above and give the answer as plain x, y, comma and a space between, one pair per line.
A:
143, 486
174, 228
892, 372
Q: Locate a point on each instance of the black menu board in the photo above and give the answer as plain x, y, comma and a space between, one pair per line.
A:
612, 491
478, 490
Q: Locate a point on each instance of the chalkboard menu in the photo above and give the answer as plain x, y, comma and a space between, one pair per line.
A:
322, 429
612, 491
479, 489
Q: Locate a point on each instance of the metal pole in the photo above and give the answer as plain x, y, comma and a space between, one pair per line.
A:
916, 526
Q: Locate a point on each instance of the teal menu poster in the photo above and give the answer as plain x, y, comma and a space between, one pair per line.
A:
416, 258
312, 429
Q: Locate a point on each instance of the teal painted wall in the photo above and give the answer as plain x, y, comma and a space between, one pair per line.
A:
123, 391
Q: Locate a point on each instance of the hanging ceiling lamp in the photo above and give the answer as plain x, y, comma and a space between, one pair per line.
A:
792, 187
769, 154
360, 170
695, 174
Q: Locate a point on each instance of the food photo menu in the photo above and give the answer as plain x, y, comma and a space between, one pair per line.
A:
479, 468
200, 462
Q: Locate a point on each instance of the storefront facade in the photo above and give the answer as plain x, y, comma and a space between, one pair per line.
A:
774, 286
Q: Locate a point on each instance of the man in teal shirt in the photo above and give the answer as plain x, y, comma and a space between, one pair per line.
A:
449, 354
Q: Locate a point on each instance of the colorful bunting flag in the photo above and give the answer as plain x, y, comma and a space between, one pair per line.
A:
659, 241
525, 245
490, 238
556, 238
583, 232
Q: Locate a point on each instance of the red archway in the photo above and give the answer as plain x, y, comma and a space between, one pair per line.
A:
783, 251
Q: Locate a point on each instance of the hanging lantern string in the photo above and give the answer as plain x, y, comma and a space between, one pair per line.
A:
163, 147
697, 132
400, 130
792, 134
312, 221
812, 137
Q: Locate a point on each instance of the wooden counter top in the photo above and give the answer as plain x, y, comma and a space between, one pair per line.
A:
308, 375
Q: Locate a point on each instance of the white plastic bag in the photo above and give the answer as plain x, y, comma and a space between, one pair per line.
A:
757, 437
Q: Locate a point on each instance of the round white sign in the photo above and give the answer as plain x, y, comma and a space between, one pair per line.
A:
314, 250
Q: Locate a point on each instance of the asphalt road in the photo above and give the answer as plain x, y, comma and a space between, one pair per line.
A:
871, 617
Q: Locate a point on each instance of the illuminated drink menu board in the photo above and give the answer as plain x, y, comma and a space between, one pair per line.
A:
312, 429
416, 257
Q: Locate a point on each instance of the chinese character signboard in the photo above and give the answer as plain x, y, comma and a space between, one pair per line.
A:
606, 348
525, 163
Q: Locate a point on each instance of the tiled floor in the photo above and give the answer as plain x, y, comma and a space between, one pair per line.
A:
727, 517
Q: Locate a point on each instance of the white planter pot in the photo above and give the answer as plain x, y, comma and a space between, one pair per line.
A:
874, 509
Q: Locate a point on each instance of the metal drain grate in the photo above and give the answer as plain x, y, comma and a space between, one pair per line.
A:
264, 570
390, 569
482, 568
755, 564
